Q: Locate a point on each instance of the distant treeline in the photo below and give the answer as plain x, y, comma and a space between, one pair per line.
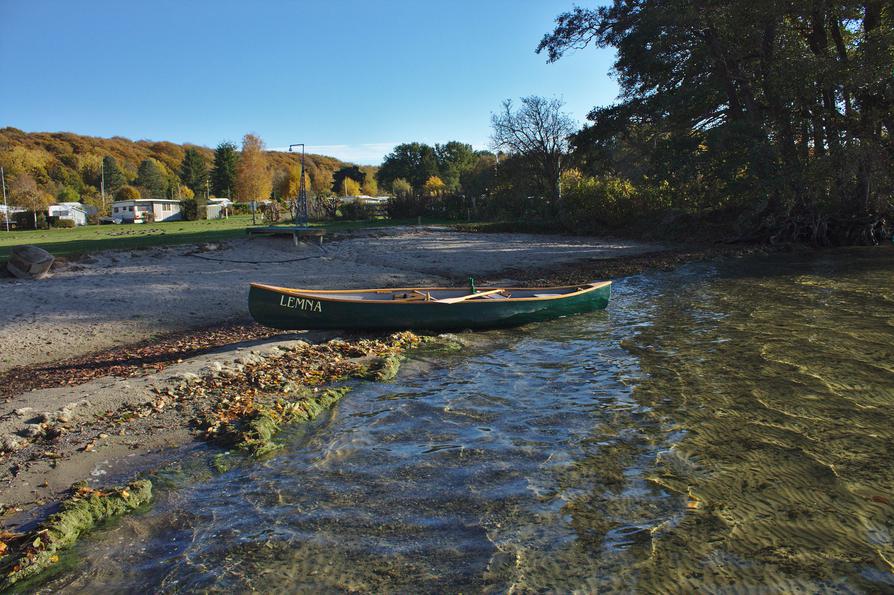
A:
44, 167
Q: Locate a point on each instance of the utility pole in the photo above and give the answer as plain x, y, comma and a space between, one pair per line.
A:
5, 204
102, 184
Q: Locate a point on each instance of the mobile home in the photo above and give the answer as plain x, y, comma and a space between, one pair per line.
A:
146, 210
73, 211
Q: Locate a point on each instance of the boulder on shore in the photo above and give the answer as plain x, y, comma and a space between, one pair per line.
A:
29, 262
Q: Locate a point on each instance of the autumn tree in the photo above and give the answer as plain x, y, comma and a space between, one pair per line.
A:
434, 186
350, 187
401, 188
60, 159
370, 186
294, 181
321, 181
223, 174
127, 192
194, 171
349, 171
253, 180
23, 192
287, 182
537, 131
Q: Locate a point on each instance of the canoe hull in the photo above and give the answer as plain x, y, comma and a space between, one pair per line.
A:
279, 309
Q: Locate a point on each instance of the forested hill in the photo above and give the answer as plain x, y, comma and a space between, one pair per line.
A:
69, 165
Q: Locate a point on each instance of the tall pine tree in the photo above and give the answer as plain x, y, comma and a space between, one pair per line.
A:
114, 177
223, 175
151, 176
194, 171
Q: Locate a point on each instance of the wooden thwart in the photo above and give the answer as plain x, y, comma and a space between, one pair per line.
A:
471, 296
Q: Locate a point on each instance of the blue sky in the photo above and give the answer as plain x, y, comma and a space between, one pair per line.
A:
350, 78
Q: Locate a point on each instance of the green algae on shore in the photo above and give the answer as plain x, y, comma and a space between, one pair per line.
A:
251, 405
80, 513
255, 430
243, 407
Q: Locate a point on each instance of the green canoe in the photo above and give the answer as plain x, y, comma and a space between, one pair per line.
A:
432, 308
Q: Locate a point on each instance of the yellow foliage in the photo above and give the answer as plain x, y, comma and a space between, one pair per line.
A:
295, 181
350, 187
370, 186
55, 159
127, 193
23, 160
253, 179
434, 186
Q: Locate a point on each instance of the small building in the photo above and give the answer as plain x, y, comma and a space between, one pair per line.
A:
72, 211
146, 210
218, 208
11, 210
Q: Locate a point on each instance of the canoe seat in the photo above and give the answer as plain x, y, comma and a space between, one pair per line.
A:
413, 296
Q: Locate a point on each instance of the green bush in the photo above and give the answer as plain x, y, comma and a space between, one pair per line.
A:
591, 205
189, 209
57, 223
403, 206
68, 194
357, 210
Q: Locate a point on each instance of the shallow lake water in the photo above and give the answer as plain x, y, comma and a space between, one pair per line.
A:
726, 427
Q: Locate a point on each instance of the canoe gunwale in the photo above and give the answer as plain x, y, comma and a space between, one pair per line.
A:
315, 294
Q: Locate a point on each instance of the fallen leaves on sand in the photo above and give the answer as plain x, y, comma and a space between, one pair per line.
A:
145, 357
248, 407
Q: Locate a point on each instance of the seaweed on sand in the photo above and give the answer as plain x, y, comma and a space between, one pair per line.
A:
78, 514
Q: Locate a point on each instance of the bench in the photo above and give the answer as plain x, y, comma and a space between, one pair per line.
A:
296, 232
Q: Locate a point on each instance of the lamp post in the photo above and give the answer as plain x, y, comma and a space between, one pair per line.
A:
301, 201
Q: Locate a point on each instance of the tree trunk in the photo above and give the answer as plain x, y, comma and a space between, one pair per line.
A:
869, 104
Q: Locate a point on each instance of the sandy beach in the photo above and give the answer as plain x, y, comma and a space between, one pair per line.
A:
118, 298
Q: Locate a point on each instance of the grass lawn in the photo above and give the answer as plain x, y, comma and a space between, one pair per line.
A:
93, 238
